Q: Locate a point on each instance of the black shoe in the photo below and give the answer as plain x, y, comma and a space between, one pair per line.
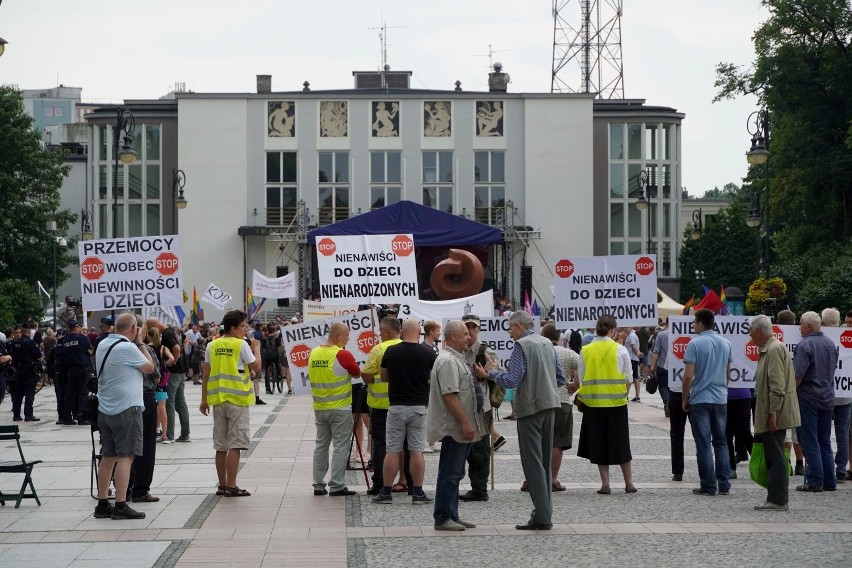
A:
320, 492
67, 423
677, 477
258, 400
120, 513
16, 419
32, 419
666, 410
342, 492
702, 491
733, 475
183, 439
473, 496
104, 512
382, 498
809, 488
501, 441
84, 423
534, 527
374, 490
800, 469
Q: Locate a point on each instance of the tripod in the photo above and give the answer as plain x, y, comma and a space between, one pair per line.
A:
358, 395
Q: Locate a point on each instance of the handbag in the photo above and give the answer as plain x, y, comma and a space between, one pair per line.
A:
651, 384
496, 394
757, 464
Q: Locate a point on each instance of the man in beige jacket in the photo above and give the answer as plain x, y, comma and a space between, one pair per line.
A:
776, 410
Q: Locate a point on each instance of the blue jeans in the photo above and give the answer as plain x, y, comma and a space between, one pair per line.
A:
177, 401
815, 439
450, 473
663, 383
708, 427
842, 415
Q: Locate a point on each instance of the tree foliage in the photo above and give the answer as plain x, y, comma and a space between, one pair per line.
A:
30, 178
729, 191
802, 75
18, 303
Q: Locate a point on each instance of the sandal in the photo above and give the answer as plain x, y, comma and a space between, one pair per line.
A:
557, 486
630, 489
235, 492
399, 488
604, 491
221, 490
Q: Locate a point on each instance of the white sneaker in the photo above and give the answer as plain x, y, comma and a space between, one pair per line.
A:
428, 450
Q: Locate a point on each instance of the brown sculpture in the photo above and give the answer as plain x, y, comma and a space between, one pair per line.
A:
458, 276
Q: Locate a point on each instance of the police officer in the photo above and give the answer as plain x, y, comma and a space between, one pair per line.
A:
75, 353
5, 362
25, 353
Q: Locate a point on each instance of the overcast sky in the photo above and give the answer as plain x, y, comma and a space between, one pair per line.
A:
131, 49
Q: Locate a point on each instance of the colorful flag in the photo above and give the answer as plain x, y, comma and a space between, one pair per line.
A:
688, 304
180, 314
535, 308
527, 304
251, 306
725, 311
710, 301
185, 297
195, 306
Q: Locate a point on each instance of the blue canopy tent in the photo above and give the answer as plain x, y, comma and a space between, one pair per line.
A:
429, 227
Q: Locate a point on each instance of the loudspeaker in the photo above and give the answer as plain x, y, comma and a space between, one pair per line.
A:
279, 272
526, 282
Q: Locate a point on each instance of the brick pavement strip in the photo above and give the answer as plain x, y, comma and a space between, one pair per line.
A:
284, 524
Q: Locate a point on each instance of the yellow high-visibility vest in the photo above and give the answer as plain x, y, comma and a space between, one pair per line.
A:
330, 391
377, 393
226, 384
603, 384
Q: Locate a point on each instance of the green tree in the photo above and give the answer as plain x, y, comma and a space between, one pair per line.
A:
18, 303
727, 251
30, 178
729, 191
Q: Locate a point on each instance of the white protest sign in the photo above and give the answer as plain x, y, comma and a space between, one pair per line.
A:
316, 310
299, 339
587, 287
264, 287
790, 336
367, 269
481, 304
494, 331
216, 296
733, 328
138, 272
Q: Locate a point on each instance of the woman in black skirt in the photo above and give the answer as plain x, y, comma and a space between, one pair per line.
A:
605, 374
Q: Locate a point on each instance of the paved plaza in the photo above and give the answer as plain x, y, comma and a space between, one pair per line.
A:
283, 524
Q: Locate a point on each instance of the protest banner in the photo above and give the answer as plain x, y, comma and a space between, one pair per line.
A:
587, 287
481, 304
299, 339
137, 272
275, 288
317, 310
734, 329
216, 296
790, 336
367, 269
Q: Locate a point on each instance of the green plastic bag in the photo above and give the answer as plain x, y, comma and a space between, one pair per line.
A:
757, 464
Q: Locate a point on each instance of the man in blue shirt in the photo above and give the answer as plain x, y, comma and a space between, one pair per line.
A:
705, 398
815, 362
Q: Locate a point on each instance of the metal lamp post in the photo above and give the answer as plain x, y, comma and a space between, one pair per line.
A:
643, 202
178, 181
758, 154
124, 123
60, 241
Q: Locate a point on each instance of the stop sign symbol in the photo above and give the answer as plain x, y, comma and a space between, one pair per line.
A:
166, 263
846, 339
644, 266
402, 245
367, 340
326, 247
679, 346
300, 354
564, 268
778, 333
92, 268
752, 351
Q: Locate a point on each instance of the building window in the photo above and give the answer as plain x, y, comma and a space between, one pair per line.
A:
438, 180
333, 187
489, 189
281, 188
385, 178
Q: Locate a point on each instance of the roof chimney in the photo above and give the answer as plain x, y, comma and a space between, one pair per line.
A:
264, 83
498, 81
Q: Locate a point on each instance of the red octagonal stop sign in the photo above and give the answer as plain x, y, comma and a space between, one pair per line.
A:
92, 268
645, 266
846, 339
778, 333
166, 263
367, 340
564, 268
752, 351
402, 245
679, 346
300, 354
326, 247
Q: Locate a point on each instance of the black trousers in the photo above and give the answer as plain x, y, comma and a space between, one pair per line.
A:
739, 427
23, 392
777, 490
142, 472
59, 386
378, 423
677, 421
75, 393
479, 460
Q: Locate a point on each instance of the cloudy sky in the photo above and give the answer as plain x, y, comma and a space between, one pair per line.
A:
130, 49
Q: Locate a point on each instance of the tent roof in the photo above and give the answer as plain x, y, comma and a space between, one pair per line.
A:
429, 227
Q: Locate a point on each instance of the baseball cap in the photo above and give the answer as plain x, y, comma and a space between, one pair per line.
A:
294, 319
73, 323
471, 318
106, 321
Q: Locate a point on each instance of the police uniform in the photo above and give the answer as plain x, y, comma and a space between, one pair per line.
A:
75, 356
25, 353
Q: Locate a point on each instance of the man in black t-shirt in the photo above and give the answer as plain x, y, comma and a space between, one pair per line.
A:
406, 368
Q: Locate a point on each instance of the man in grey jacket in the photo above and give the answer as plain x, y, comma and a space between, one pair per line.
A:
534, 371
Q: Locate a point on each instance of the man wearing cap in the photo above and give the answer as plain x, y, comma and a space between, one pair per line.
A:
24, 352
106, 329
74, 355
479, 458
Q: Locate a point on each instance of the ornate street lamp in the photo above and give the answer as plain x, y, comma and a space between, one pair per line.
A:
178, 181
127, 155
758, 155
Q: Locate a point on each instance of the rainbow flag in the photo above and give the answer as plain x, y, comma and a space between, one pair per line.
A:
527, 304
252, 307
724, 311
688, 305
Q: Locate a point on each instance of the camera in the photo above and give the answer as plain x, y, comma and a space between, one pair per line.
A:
384, 310
74, 303
768, 306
